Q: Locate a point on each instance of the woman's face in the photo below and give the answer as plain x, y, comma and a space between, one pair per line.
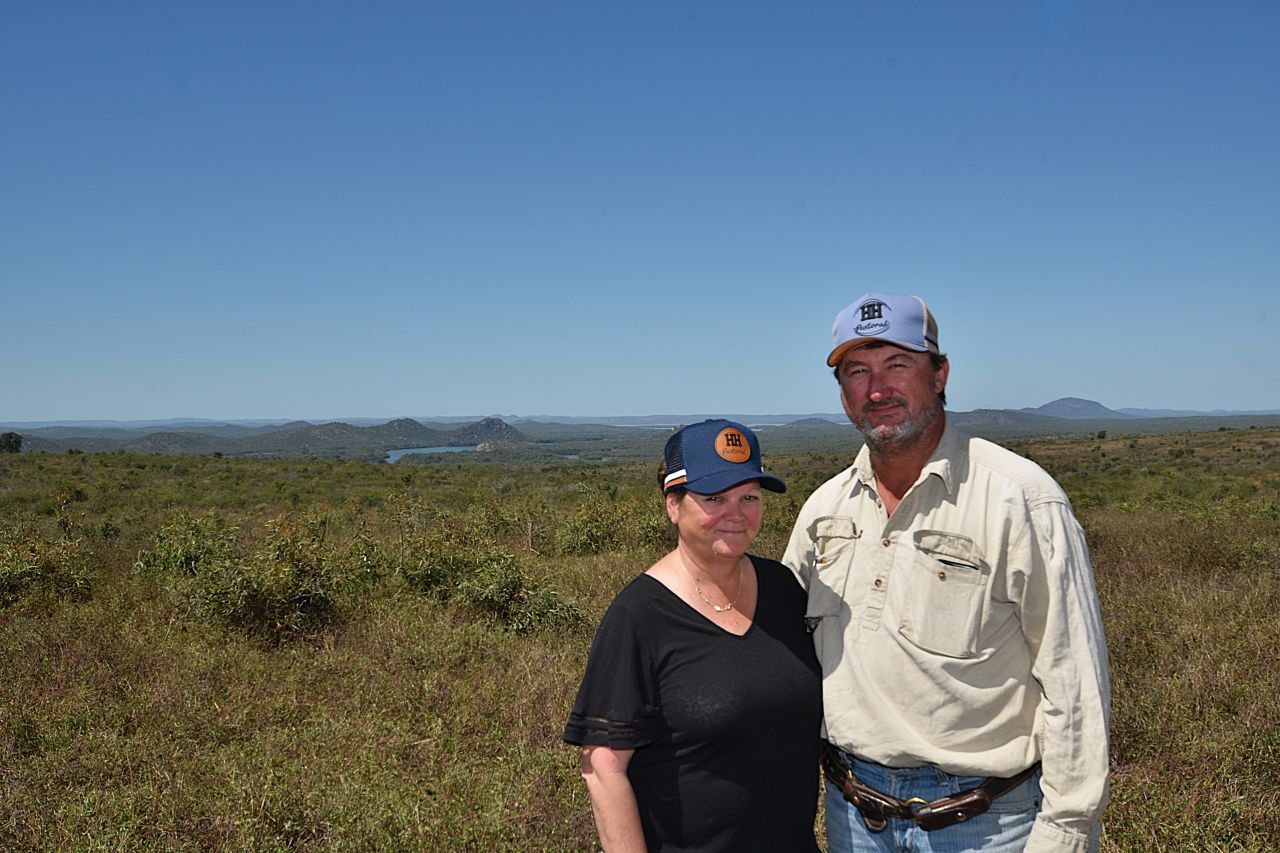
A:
720, 525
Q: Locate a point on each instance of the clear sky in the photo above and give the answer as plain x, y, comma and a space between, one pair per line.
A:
322, 210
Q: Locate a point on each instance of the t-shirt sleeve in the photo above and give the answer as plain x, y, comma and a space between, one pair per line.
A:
617, 704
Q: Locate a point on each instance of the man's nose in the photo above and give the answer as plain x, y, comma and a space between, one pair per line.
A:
877, 388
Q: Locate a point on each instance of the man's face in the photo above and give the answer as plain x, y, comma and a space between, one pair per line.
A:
891, 394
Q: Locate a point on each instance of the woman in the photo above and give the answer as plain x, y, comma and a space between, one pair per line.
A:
700, 710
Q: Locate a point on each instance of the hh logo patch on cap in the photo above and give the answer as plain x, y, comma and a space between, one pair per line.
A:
732, 445
873, 322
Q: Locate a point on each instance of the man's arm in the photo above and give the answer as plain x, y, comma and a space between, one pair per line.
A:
1063, 627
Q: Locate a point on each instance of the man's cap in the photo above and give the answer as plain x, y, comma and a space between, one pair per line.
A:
712, 456
893, 318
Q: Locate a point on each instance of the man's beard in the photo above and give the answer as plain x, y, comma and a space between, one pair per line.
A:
899, 435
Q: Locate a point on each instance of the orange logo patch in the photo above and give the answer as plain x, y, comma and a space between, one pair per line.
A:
732, 445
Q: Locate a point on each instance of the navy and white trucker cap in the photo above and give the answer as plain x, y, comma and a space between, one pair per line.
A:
714, 455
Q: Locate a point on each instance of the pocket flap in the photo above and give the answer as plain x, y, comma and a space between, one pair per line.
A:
953, 546
834, 527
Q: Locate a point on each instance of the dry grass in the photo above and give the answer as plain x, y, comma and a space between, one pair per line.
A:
417, 721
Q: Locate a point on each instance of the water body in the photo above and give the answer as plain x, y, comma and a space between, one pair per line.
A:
393, 455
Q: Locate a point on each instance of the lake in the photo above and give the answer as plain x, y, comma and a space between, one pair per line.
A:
393, 455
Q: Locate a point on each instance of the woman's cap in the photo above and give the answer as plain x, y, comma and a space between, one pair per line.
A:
893, 318
712, 456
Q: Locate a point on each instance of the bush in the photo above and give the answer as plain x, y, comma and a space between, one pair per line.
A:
497, 586
595, 526
433, 558
458, 559
286, 584
652, 528
32, 566
187, 546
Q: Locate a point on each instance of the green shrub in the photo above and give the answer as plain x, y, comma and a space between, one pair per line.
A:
497, 586
651, 527
286, 583
493, 584
188, 545
526, 521
457, 559
595, 526
32, 566
432, 559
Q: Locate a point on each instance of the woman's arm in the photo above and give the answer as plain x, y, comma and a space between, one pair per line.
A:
612, 799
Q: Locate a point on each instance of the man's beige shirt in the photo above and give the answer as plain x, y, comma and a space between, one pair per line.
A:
963, 631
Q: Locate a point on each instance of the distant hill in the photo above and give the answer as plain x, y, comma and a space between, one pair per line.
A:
1074, 408
404, 432
171, 443
488, 431
813, 423
295, 438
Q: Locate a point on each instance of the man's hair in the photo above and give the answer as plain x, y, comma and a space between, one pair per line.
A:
935, 359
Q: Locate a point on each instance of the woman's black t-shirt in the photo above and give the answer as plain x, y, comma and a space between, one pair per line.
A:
725, 728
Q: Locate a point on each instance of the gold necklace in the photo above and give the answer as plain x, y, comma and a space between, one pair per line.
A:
697, 587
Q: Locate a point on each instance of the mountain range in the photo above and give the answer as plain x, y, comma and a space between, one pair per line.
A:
1071, 408
1076, 408
366, 438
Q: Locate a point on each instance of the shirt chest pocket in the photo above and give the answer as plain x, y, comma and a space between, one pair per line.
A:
945, 591
834, 541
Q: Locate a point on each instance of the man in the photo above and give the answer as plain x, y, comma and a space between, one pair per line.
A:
954, 613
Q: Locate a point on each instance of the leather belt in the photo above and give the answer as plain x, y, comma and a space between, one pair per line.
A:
876, 806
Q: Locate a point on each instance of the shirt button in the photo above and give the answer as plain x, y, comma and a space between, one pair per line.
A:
942, 576
879, 583
885, 542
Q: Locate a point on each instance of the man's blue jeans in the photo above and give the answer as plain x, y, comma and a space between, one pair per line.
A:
1004, 827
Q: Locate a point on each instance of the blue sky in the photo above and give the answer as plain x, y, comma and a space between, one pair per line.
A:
323, 210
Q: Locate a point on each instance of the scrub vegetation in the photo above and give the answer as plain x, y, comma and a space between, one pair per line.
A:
208, 653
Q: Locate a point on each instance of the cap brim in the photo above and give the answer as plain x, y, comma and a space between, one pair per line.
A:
721, 480
840, 351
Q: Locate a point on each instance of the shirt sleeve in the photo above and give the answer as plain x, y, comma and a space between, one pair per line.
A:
1063, 628
617, 704
799, 555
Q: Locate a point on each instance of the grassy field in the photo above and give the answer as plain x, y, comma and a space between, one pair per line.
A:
219, 654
